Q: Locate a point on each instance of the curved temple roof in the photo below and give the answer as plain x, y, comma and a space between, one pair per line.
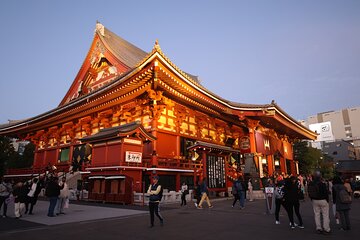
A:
119, 131
135, 59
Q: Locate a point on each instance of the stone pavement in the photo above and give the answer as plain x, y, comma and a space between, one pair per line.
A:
104, 221
75, 213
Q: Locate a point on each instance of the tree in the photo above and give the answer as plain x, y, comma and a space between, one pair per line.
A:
311, 159
7, 154
306, 164
26, 160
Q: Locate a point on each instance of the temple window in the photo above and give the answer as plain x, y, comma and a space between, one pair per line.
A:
64, 155
184, 144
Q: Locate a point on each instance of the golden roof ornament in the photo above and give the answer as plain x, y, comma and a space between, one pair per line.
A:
157, 46
100, 28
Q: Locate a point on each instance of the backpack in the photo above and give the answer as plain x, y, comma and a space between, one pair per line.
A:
344, 196
279, 193
313, 191
239, 186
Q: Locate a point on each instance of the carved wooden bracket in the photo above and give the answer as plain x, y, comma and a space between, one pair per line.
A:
155, 95
252, 124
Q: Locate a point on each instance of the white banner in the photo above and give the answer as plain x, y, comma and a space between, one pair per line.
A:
135, 157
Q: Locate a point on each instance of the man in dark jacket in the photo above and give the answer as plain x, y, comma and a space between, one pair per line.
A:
19, 193
320, 203
52, 191
155, 190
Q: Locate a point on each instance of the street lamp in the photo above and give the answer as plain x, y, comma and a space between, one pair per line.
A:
317, 162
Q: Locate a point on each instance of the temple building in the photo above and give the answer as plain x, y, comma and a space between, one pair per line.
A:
130, 114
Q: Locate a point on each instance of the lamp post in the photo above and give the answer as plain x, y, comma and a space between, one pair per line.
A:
317, 162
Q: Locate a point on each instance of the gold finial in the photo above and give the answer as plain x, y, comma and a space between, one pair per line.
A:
100, 28
157, 46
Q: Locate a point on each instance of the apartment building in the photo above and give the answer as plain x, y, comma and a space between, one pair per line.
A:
345, 125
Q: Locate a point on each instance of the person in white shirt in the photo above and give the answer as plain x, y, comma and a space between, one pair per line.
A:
184, 191
63, 197
32, 195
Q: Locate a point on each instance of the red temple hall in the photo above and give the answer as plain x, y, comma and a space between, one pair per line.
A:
130, 114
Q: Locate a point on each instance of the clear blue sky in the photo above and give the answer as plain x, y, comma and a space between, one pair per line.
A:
303, 54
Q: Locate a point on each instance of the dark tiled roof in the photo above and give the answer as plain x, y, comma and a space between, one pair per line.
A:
126, 52
348, 166
113, 132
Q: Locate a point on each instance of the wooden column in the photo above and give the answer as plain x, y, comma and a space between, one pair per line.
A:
252, 124
270, 164
203, 159
154, 124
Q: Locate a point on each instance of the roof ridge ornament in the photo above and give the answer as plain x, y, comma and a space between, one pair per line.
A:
100, 28
157, 46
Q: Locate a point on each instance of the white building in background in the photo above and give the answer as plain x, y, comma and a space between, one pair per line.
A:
344, 126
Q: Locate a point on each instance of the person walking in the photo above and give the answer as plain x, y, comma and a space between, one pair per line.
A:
63, 197
184, 192
198, 193
204, 195
319, 195
235, 192
5, 191
33, 194
250, 190
342, 207
52, 191
292, 190
242, 187
155, 191
20, 194
279, 200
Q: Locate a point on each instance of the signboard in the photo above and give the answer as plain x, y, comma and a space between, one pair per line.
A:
324, 130
270, 200
133, 141
245, 143
134, 157
215, 166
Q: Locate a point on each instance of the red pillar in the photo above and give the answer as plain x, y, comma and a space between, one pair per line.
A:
203, 159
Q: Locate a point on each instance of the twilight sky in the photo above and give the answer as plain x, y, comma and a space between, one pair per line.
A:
303, 54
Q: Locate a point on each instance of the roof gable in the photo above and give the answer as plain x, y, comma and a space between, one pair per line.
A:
109, 57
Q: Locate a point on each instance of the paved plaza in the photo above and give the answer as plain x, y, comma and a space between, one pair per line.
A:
106, 221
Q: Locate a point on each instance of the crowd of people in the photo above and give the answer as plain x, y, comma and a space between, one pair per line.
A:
289, 191
25, 194
327, 196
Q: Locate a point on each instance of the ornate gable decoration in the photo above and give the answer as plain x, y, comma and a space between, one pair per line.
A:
100, 72
101, 66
